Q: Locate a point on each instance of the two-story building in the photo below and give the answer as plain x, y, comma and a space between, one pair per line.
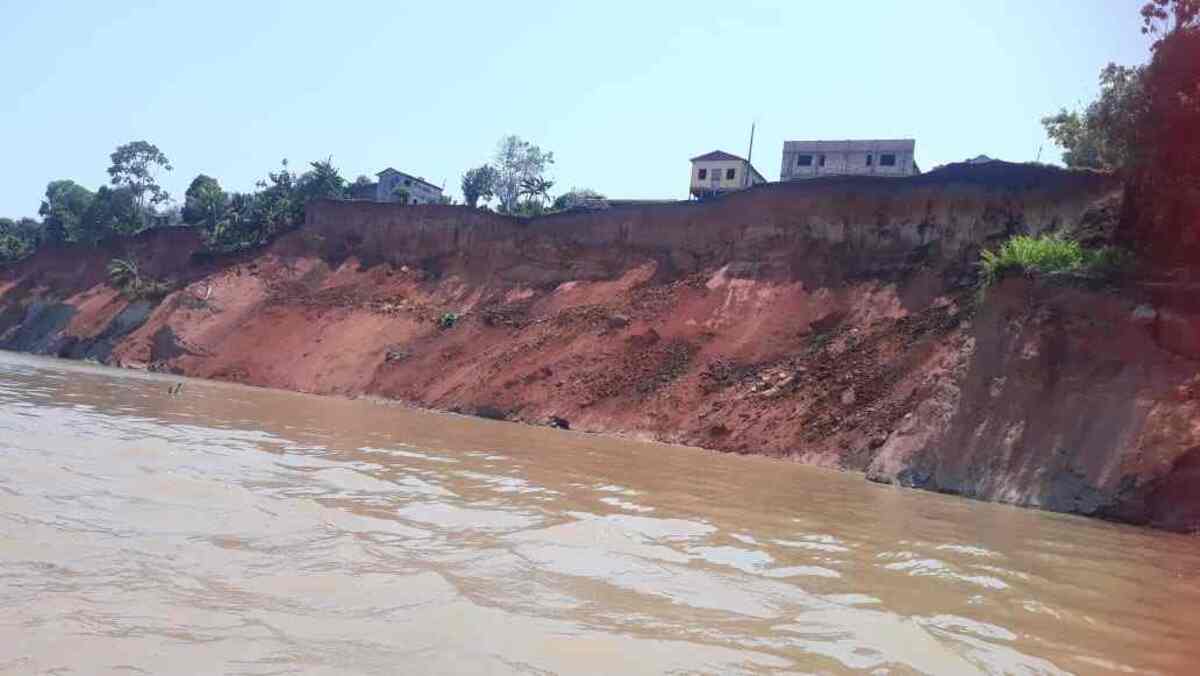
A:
884, 157
720, 172
393, 185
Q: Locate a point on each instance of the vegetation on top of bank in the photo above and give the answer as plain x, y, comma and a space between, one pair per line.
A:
134, 201
1050, 254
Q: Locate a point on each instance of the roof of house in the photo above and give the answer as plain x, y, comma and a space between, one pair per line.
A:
902, 145
717, 155
390, 170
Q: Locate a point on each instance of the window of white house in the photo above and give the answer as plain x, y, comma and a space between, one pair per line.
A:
407, 182
703, 174
730, 173
870, 159
887, 160
804, 160
820, 160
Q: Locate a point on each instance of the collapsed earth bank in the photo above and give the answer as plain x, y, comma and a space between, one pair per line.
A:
836, 322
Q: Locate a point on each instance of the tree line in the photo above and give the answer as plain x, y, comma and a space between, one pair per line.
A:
134, 200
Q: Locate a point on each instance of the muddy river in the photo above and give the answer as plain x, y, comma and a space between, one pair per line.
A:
232, 530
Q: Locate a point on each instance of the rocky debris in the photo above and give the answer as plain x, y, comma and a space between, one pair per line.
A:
559, 423
1144, 314
396, 353
589, 316
648, 363
507, 315
617, 321
642, 341
718, 430
491, 412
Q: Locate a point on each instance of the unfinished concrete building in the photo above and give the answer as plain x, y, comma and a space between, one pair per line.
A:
881, 157
394, 186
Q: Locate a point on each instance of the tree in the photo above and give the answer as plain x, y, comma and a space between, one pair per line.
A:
110, 212
276, 206
239, 228
322, 181
1163, 194
134, 167
1167, 17
575, 197
18, 238
479, 184
362, 188
536, 189
1105, 134
63, 210
204, 202
517, 160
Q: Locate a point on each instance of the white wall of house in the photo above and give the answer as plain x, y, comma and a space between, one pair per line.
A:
714, 175
810, 159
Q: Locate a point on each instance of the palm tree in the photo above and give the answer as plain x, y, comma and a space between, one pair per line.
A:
537, 188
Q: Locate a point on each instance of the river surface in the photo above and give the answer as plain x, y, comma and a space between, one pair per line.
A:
233, 530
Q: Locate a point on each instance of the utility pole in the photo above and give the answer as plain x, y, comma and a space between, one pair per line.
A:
749, 158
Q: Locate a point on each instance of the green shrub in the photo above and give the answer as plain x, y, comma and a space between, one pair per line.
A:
125, 275
1050, 254
448, 320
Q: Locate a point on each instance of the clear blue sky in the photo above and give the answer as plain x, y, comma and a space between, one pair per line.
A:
622, 92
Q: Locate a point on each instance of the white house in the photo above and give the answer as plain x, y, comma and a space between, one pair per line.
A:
720, 172
883, 157
394, 184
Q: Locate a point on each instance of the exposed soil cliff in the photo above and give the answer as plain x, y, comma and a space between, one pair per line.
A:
834, 322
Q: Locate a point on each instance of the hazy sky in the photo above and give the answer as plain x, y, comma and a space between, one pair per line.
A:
622, 92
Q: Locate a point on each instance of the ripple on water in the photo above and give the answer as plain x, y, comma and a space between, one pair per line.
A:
941, 569
456, 518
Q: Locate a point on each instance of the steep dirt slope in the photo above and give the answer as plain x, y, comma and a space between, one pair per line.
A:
833, 322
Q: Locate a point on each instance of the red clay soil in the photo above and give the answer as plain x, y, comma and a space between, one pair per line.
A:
834, 323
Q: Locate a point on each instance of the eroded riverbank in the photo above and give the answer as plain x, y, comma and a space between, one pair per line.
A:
833, 322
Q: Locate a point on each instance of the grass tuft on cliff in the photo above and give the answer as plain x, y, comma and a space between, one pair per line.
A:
1049, 254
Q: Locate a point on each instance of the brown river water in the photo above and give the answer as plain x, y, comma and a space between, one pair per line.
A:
233, 530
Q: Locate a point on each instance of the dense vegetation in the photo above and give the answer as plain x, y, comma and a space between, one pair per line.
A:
516, 178
234, 221
134, 201
1117, 131
1145, 124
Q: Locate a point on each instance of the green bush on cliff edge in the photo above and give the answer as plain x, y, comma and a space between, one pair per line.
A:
1049, 254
